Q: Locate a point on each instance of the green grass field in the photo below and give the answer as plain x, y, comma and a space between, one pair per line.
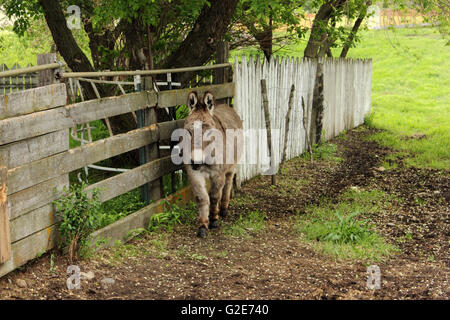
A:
410, 91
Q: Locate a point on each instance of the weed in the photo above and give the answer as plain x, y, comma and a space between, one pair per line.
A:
245, 225
52, 264
80, 215
339, 229
324, 151
196, 256
173, 215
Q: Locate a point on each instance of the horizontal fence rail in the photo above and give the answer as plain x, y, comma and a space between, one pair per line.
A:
143, 72
16, 72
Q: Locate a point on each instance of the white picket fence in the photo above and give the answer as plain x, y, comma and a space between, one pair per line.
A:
347, 89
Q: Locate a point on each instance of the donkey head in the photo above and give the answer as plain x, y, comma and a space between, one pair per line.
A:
198, 122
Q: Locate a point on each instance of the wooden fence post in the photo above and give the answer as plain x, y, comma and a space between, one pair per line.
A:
317, 106
222, 75
288, 119
5, 239
156, 188
269, 129
46, 77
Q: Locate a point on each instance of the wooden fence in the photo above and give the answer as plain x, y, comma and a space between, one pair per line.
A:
347, 87
19, 82
34, 147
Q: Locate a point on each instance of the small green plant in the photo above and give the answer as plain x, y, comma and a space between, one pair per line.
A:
80, 215
345, 229
197, 256
52, 264
324, 151
338, 229
172, 216
245, 225
120, 207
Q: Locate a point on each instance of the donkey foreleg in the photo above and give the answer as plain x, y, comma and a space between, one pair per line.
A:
225, 200
198, 186
215, 195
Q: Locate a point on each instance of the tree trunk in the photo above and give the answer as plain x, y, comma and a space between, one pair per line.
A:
355, 28
317, 106
318, 46
65, 42
316, 38
201, 42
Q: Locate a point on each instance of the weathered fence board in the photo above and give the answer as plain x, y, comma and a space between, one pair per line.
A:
26, 249
36, 196
127, 181
179, 97
5, 241
31, 222
39, 171
19, 103
121, 229
38, 123
26, 151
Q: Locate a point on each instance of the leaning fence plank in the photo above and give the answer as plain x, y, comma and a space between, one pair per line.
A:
172, 98
269, 129
38, 123
288, 119
127, 181
5, 239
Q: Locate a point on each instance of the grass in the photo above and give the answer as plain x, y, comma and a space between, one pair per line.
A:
173, 215
410, 90
245, 225
342, 229
410, 93
325, 151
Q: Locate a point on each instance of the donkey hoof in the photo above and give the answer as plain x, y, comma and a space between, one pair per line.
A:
214, 224
202, 232
223, 212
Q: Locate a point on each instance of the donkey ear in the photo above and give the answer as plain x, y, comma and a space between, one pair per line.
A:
192, 100
209, 101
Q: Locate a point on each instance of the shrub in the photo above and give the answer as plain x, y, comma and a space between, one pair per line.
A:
79, 215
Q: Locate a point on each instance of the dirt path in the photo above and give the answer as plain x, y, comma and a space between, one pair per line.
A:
274, 263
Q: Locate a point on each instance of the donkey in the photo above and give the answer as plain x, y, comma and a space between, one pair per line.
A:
215, 159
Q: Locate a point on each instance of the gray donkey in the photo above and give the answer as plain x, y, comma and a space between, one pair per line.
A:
216, 145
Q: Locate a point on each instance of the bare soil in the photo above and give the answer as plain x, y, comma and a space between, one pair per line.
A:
274, 263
